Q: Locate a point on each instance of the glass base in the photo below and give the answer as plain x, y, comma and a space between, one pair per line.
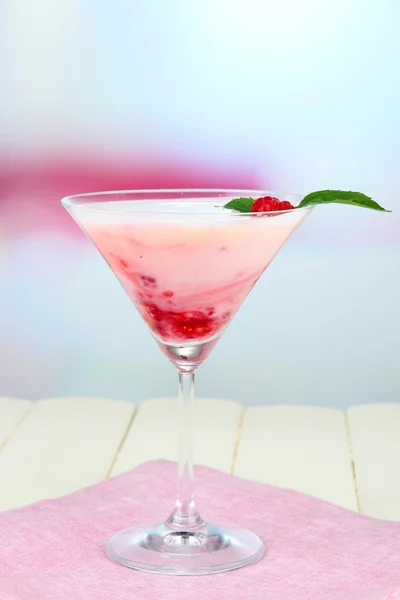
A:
207, 549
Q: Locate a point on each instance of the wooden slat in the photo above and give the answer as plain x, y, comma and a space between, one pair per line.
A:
153, 434
63, 444
55, 446
375, 439
12, 411
298, 447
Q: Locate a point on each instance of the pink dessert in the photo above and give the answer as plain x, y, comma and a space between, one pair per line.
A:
187, 274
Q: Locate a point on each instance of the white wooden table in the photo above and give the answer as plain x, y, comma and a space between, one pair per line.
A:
55, 446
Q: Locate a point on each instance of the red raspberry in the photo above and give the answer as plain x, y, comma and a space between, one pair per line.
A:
182, 326
148, 282
285, 205
270, 204
264, 204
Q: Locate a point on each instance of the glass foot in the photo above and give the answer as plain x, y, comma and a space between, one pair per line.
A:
204, 550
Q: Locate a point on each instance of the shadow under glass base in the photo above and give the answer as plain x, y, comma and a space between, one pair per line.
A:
206, 550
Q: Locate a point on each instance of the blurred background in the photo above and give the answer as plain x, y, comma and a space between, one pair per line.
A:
294, 96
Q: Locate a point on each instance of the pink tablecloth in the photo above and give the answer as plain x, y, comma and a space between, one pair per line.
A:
55, 549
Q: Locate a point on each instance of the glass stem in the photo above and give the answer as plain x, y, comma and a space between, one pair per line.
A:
185, 515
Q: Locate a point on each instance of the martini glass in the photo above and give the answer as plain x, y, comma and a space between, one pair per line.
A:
187, 264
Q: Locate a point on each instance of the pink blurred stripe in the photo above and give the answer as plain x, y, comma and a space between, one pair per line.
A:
30, 196
30, 193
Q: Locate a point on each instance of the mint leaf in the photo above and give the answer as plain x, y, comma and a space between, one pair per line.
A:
339, 197
244, 205
240, 204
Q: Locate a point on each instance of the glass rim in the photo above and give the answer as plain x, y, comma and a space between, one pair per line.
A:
88, 199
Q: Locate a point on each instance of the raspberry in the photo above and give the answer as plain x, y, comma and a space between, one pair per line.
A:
182, 326
148, 282
264, 204
270, 204
285, 205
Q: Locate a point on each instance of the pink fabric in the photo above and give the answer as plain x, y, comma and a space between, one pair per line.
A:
54, 550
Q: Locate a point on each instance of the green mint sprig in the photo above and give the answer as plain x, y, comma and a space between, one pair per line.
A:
240, 204
340, 197
322, 197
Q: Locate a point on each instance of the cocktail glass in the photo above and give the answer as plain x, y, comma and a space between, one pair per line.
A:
187, 264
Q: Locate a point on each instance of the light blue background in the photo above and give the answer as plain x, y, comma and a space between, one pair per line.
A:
296, 96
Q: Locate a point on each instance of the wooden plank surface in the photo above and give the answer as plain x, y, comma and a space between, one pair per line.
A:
63, 444
298, 447
55, 446
153, 433
12, 411
375, 440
